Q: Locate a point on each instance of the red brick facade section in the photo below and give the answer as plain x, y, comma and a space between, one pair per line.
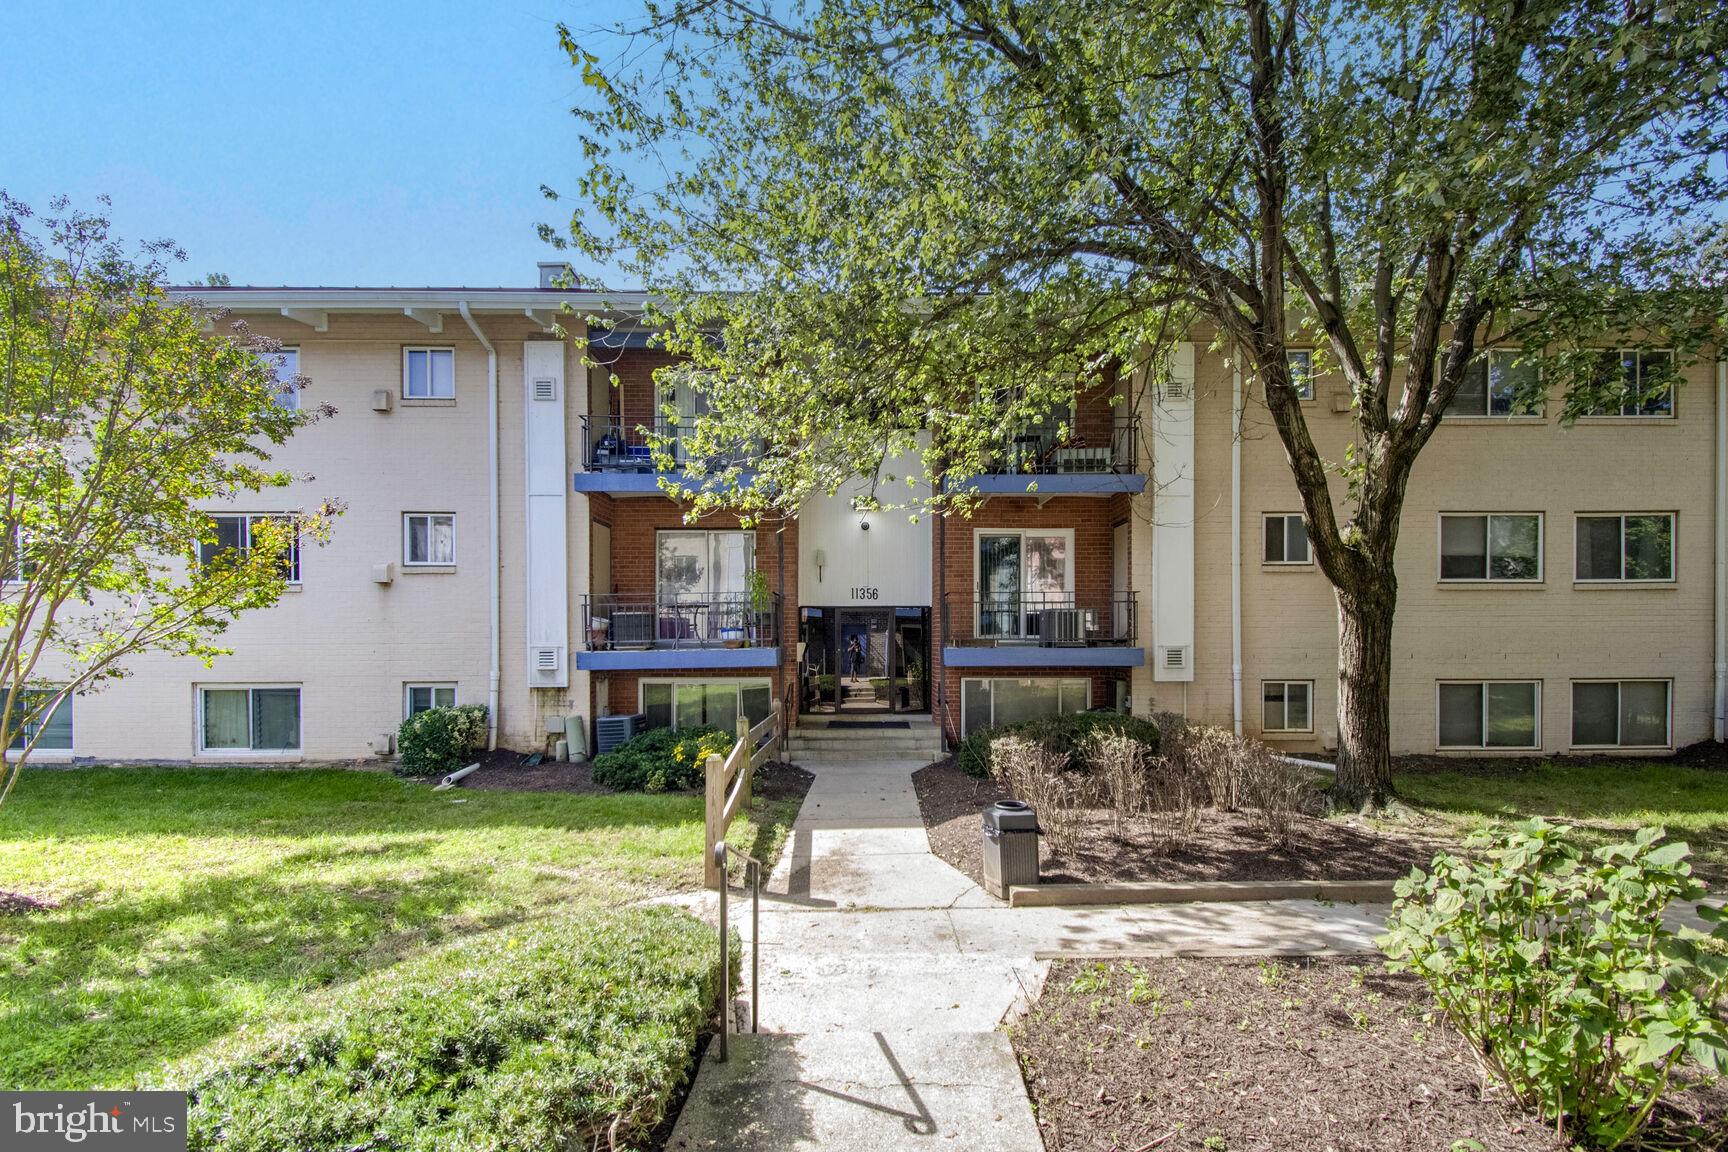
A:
636, 523
1093, 520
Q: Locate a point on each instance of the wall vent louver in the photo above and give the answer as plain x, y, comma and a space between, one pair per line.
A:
546, 659
1175, 389
1175, 658
545, 388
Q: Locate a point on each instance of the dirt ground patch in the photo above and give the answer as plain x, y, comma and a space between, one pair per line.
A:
1255, 1056
1228, 846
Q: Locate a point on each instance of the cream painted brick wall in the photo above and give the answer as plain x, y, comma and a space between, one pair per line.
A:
1554, 631
352, 644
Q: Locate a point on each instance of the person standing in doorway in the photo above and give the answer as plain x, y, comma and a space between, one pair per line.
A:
855, 658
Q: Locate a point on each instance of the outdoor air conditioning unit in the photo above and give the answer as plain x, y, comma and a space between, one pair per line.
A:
611, 731
1059, 627
632, 629
381, 400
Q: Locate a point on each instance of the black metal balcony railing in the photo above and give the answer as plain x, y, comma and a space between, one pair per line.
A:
732, 620
1059, 447
1043, 619
611, 444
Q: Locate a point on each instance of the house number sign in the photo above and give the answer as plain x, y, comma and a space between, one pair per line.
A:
866, 593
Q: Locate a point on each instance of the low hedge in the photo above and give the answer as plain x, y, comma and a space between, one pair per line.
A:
663, 760
527, 1038
440, 740
1062, 734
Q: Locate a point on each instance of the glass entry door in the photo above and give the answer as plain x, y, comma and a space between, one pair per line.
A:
864, 660
864, 637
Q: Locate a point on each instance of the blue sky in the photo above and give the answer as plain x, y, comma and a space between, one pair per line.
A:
313, 142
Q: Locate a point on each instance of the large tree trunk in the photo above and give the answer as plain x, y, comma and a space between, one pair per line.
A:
1364, 779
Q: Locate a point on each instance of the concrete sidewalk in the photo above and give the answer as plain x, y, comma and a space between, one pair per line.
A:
886, 972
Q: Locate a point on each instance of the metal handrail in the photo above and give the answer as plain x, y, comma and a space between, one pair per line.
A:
753, 874
1048, 619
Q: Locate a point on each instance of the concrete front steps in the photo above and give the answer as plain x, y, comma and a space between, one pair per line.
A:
813, 739
864, 1090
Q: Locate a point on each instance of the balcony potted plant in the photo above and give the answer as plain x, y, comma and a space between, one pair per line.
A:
761, 597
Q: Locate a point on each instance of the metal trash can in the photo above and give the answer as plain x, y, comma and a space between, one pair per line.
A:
1010, 846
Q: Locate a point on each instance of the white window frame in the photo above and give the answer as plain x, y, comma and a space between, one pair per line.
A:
978, 593
1673, 548
294, 578
284, 398
1488, 576
428, 350
435, 686
1620, 413
198, 691
1309, 685
709, 593
1058, 680
1307, 544
1484, 746
407, 560
39, 752
1301, 381
1486, 356
1619, 682
739, 682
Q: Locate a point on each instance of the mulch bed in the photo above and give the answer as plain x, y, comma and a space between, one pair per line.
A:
1208, 1055
1228, 846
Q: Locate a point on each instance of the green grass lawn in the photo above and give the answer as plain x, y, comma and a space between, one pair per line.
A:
193, 901
1604, 800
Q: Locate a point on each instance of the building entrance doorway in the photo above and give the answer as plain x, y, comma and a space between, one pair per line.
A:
864, 660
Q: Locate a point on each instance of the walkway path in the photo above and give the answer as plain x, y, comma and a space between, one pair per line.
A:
886, 971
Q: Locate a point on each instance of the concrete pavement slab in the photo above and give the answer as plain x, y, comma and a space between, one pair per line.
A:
865, 1090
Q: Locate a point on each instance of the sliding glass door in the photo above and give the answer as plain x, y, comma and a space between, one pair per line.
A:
1020, 574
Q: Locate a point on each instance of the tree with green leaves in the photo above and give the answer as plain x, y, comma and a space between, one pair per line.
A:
123, 420
911, 217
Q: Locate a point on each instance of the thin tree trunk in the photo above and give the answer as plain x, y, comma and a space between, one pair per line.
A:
1364, 779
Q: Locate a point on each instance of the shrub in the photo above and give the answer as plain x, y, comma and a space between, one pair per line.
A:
1274, 792
664, 760
440, 740
1560, 970
1034, 772
1061, 734
561, 1034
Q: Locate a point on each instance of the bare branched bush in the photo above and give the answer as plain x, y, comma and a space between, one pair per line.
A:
1274, 791
1214, 755
1036, 774
1122, 768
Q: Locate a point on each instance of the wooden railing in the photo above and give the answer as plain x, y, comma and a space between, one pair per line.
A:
727, 789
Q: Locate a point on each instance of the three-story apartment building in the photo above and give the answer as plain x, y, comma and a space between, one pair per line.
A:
507, 542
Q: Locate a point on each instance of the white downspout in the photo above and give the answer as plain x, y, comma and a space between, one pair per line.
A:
1720, 730
492, 526
1236, 544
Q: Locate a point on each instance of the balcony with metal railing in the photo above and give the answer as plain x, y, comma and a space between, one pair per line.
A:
1067, 457
1040, 629
618, 453
731, 630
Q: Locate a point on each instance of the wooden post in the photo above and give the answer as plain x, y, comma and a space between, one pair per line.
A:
714, 803
744, 727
